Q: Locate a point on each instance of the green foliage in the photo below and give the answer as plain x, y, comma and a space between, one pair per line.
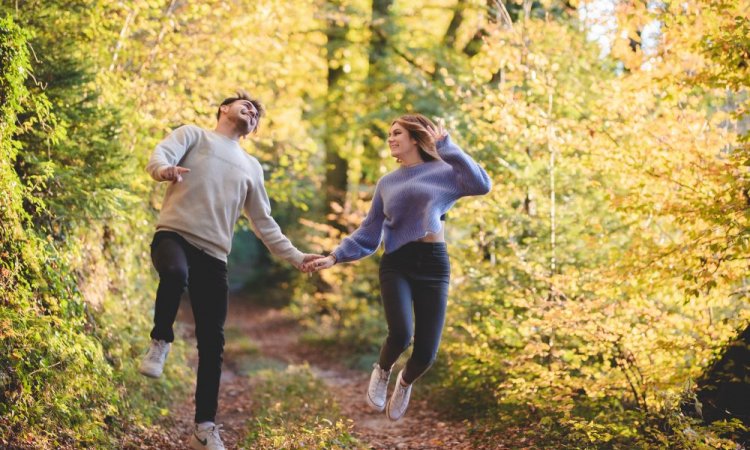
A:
295, 411
68, 376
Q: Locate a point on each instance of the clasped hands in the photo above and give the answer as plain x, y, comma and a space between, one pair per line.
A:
313, 263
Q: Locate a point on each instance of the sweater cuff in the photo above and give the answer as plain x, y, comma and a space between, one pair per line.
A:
296, 258
443, 142
337, 254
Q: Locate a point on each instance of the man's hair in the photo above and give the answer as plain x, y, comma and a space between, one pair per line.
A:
243, 95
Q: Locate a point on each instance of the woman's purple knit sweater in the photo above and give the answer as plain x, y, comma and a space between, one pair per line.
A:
409, 201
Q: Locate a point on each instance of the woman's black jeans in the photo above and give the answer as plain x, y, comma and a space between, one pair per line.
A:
182, 265
414, 287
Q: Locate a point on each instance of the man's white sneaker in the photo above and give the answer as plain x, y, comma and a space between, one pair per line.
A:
377, 391
152, 364
399, 400
206, 437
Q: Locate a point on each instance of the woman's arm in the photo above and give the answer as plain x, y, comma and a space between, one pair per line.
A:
471, 178
366, 239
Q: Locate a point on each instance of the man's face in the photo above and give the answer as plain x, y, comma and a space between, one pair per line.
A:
243, 114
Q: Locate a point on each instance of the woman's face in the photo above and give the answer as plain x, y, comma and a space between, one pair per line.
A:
400, 142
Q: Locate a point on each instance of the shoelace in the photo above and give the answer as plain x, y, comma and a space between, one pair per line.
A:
382, 374
401, 392
156, 352
215, 432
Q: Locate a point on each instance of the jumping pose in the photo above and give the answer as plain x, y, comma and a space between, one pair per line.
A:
212, 181
407, 213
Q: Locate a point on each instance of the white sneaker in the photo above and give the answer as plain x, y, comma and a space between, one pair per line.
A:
399, 400
377, 391
206, 437
152, 364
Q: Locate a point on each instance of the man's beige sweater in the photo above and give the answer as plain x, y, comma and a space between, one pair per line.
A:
223, 182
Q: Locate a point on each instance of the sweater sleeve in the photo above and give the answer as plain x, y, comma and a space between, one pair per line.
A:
170, 151
258, 209
366, 239
470, 177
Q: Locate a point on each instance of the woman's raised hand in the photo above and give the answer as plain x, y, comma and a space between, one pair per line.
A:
439, 132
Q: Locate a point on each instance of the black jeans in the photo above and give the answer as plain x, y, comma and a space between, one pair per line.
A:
414, 287
182, 265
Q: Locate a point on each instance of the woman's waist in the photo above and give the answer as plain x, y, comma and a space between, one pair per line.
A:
435, 237
417, 247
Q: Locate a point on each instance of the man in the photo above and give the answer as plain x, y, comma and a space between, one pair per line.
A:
213, 180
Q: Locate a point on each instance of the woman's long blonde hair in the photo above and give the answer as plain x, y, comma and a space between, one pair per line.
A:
419, 128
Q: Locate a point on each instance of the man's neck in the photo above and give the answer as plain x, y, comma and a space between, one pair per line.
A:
227, 130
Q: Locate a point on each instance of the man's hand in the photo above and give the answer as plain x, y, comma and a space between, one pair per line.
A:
319, 264
307, 259
173, 173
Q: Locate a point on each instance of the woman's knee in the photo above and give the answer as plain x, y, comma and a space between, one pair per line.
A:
424, 360
399, 340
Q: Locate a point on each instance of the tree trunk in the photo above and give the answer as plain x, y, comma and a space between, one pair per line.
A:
723, 391
374, 135
336, 166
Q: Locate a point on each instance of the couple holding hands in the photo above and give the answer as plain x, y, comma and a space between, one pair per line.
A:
213, 180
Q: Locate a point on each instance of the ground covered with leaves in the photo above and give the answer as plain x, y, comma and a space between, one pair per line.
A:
279, 392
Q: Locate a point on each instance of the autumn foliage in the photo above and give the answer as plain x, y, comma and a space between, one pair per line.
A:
594, 290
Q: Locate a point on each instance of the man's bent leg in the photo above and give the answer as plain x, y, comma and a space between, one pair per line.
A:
208, 297
170, 261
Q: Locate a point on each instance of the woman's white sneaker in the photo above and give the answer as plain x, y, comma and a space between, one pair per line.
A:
152, 365
399, 400
377, 391
206, 437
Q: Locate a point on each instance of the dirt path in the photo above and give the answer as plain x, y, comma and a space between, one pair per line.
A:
276, 336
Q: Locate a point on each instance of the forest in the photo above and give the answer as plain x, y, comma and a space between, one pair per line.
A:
599, 296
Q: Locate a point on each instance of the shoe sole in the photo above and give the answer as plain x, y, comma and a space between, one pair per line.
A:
388, 412
150, 374
372, 404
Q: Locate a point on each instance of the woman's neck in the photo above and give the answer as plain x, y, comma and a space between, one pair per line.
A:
411, 161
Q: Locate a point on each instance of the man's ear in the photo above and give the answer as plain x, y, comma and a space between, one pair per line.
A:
224, 108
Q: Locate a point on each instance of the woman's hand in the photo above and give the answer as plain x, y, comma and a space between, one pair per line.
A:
307, 259
319, 264
439, 132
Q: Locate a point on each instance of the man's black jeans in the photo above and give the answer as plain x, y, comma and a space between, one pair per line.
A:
414, 287
182, 265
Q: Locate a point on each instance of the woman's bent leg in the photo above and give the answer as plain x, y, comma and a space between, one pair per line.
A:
397, 304
430, 302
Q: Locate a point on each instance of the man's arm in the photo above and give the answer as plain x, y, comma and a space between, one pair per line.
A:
163, 163
258, 209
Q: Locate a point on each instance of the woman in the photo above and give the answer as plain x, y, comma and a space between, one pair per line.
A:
407, 212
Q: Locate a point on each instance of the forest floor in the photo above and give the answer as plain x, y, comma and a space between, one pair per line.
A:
261, 337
